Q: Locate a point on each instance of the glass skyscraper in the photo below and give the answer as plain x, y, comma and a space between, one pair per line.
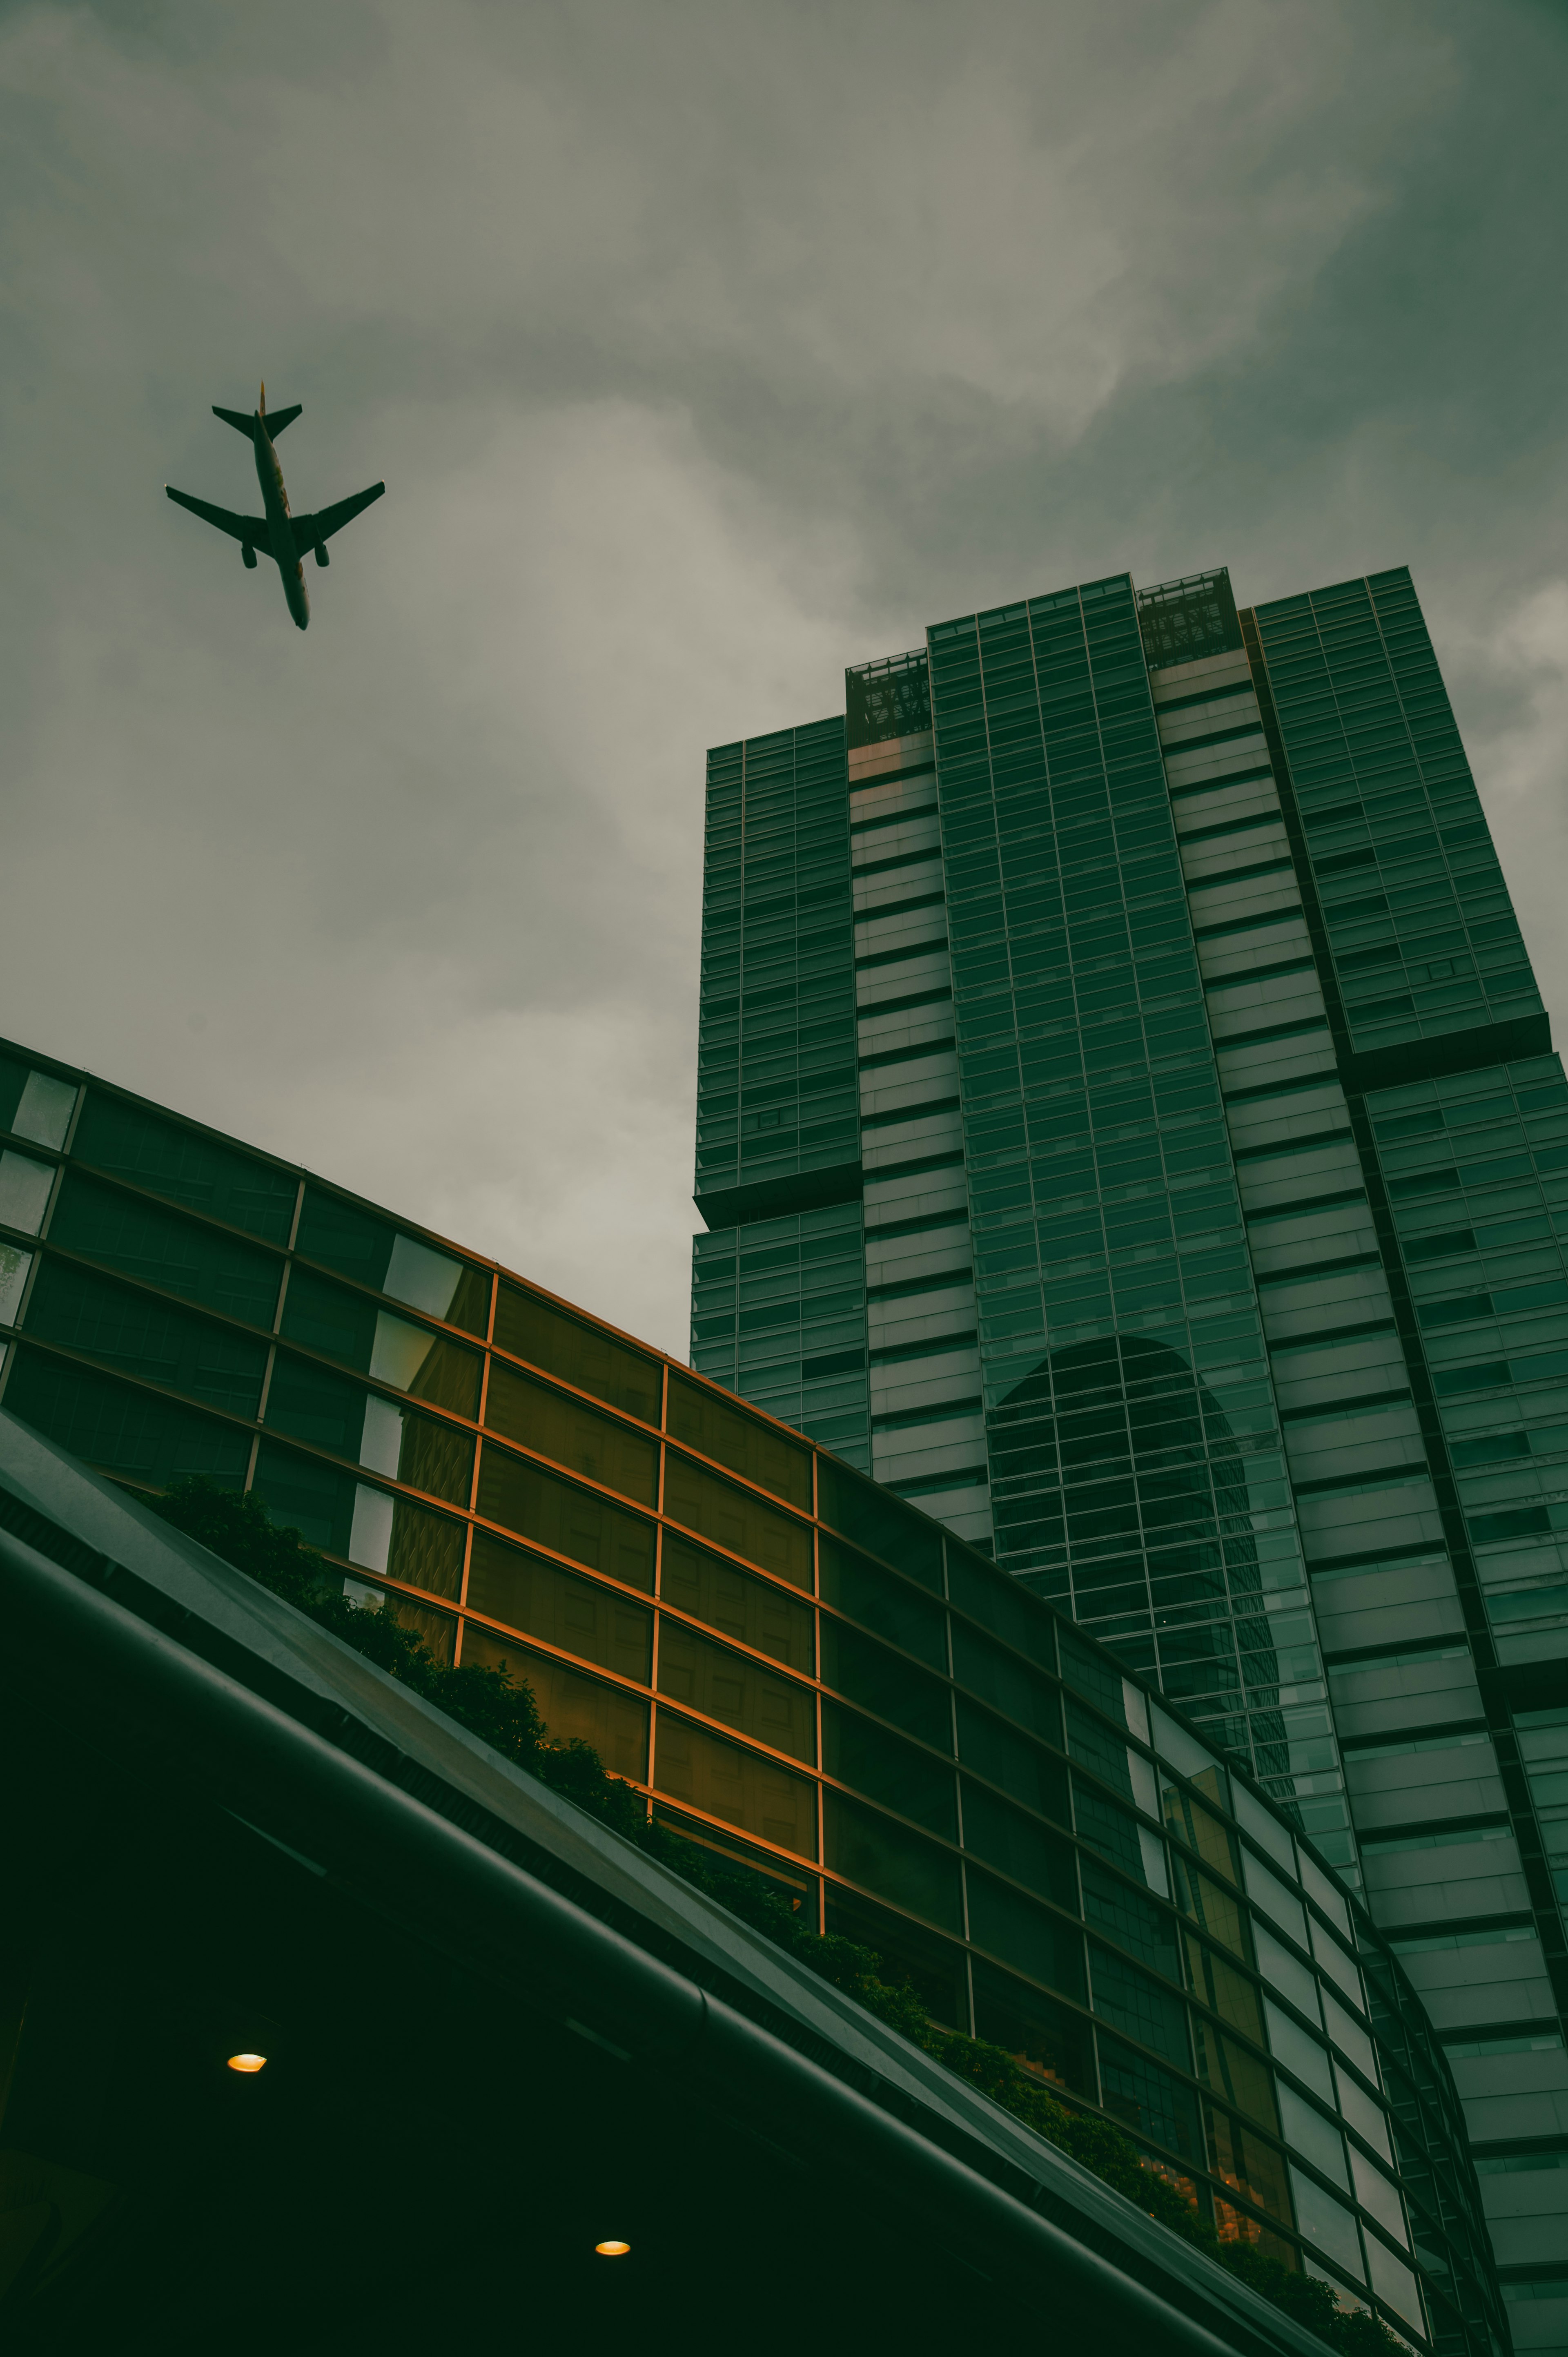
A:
1191, 1241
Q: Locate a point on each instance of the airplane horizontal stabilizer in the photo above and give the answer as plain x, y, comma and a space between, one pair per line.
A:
250, 530
273, 419
311, 531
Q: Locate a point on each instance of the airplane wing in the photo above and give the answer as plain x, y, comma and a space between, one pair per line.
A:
249, 529
310, 531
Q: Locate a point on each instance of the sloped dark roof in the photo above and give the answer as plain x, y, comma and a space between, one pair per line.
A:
84, 1564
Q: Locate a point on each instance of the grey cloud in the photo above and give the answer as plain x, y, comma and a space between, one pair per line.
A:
704, 348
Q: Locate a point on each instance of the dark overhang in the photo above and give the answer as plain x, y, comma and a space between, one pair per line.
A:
496, 2032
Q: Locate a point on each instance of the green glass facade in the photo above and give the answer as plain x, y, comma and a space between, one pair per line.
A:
1209, 1126
799, 1670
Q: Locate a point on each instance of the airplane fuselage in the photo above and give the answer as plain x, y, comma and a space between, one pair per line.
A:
275, 500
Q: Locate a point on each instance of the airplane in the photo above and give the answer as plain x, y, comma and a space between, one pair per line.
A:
285, 537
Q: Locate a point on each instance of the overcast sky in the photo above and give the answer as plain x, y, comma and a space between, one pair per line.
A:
705, 348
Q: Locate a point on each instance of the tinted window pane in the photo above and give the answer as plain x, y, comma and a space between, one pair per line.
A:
142, 1335
123, 1430
332, 1509
155, 1152
529, 1593
873, 1520
1240, 2078
904, 1951
743, 1442
1019, 1846
1148, 2099
371, 1250
1093, 1676
996, 1750
892, 1862
741, 1787
1211, 1905
343, 1325
724, 1685
1218, 1985
311, 1403
999, 1678
1044, 2037
884, 1767
1017, 1932
523, 1498
1194, 1824
1139, 2004
574, 1708
901, 1613
1006, 1610
535, 1329
1091, 1740
766, 1618
749, 1525
1106, 1828
158, 1247
1132, 1917
864, 1672
559, 1426
1244, 2160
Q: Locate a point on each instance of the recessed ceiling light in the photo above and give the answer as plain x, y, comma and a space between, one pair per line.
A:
247, 2062
612, 2250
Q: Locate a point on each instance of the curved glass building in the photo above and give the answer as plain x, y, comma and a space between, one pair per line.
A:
1128, 1126
804, 1672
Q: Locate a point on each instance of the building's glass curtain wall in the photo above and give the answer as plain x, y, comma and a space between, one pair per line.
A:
778, 1305
1136, 1466
801, 1671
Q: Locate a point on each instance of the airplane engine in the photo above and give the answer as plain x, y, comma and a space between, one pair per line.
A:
321, 556
249, 554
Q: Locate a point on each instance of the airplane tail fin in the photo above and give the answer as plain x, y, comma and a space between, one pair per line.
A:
274, 420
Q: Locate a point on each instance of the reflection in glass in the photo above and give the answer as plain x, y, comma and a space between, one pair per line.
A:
44, 1110
24, 1191
15, 1266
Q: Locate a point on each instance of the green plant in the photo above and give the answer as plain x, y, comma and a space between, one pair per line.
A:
501, 1710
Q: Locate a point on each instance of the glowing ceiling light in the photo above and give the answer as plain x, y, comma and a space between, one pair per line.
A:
247, 2062
612, 2250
